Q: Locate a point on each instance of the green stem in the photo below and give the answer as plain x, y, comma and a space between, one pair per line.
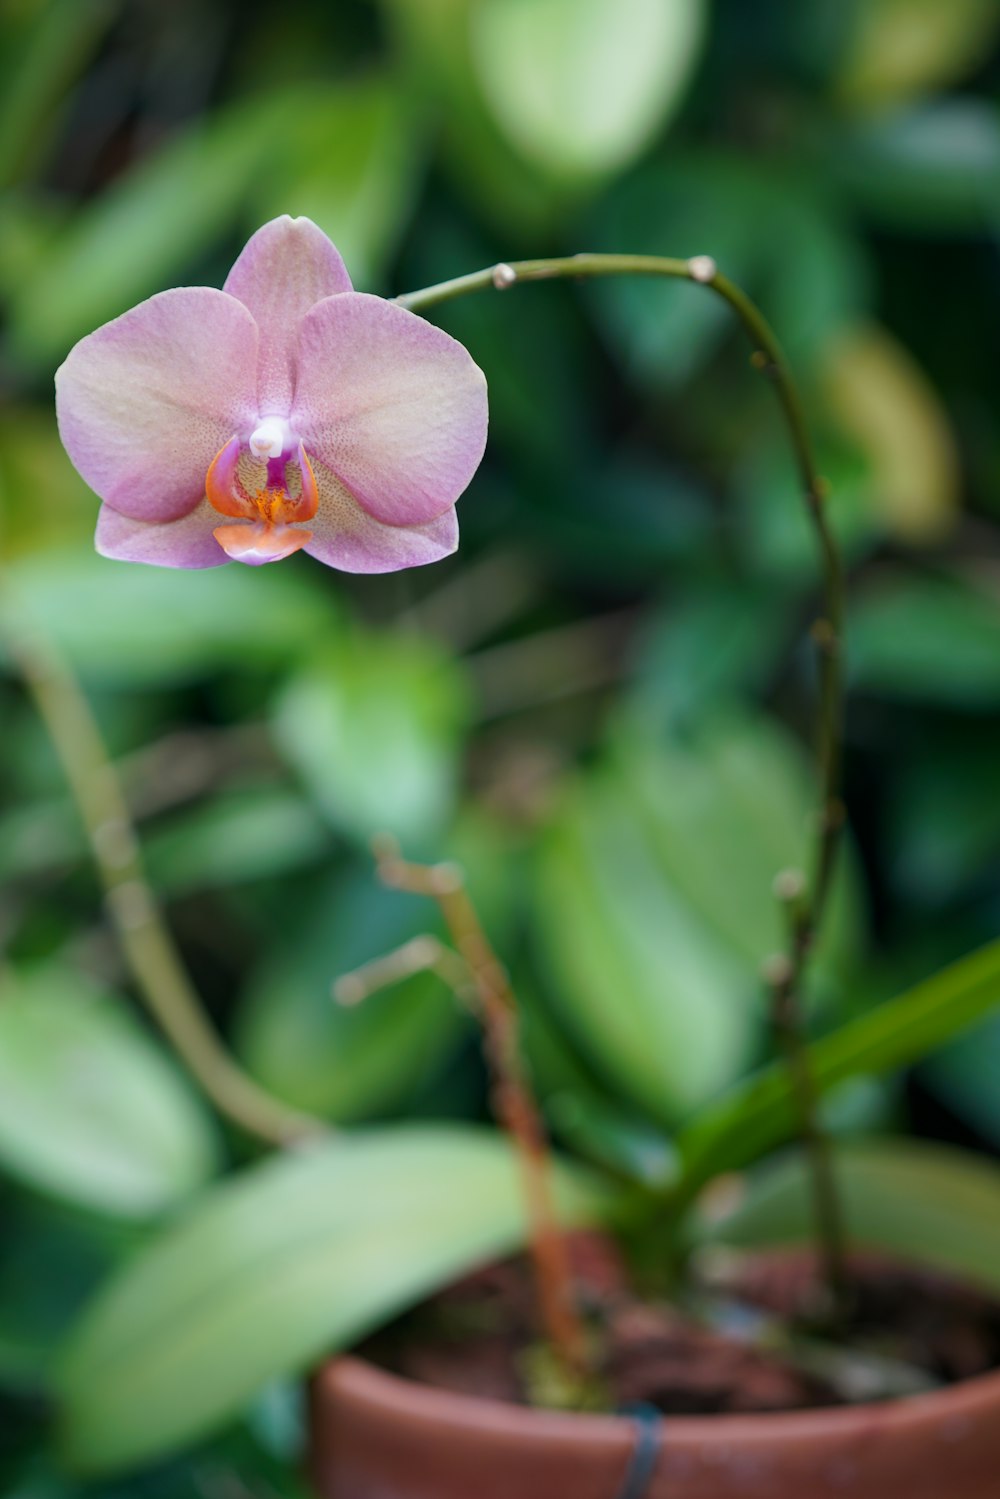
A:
787, 974
149, 949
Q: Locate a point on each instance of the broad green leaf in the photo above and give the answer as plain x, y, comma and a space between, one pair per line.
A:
581, 86
292, 1260
351, 161
656, 910
927, 637
759, 1113
90, 1108
374, 726
136, 626
883, 402
934, 166
902, 49
236, 836
726, 809
929, 1204
657, 1004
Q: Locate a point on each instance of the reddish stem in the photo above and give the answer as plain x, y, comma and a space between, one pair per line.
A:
513, 1100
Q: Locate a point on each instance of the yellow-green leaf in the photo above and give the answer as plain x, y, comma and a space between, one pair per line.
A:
904, 48
884, 403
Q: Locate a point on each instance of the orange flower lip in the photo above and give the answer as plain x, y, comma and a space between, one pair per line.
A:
268, 516
257, 543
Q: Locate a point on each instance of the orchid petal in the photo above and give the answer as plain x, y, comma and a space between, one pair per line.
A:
346, 537
146, 402
283, 270
187, 542
392, 405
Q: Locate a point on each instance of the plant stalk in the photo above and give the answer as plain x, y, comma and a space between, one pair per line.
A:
149, 949
787, 971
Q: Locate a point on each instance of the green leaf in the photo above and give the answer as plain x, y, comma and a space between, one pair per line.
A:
90, 1109
660, 1008
929, 638
727, 809
926, 1203
655, 908
581, 86
881, 400
934, 166
374, 726
236, 836
904, 48
759, 1113
135, 626
295, 1259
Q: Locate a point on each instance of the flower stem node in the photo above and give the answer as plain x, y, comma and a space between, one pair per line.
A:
702, 268
824, 635
776, 970
789, 886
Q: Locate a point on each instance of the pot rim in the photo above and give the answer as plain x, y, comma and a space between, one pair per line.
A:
952, 1407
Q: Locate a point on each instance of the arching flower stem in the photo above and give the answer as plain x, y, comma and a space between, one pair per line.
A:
806, 900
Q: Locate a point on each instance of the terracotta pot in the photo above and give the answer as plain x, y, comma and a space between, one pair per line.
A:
376, 1436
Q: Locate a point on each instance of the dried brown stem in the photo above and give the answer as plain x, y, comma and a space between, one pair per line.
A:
476, 975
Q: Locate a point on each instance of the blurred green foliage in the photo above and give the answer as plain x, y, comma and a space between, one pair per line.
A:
602, 704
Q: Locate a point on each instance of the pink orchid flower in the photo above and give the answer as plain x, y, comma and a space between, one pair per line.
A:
286, 411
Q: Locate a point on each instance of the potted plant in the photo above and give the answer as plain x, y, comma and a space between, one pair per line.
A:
829, 1371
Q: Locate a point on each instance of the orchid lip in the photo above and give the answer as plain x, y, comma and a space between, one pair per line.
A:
269, 516
259, 543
